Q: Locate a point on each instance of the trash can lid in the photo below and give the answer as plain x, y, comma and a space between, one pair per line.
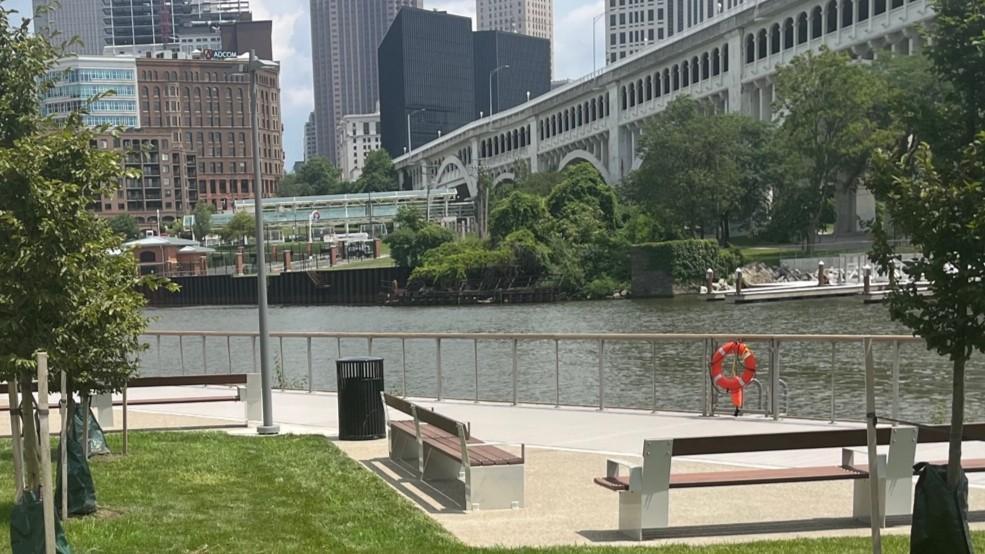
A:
360, 359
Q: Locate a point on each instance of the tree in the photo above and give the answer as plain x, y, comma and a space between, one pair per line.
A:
583, 185
832, 122
314, 177
65, 286
125, 226
241, 225
378, 174
203, 220
413, 237
518, 211
701, 169
956, 48
943, 213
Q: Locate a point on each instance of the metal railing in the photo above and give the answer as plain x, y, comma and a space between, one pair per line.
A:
666, 372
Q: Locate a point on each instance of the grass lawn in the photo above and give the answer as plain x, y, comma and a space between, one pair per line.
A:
211, 492
366, 264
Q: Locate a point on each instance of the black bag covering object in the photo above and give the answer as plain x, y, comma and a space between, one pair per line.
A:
81, 489
27, 528
940, 514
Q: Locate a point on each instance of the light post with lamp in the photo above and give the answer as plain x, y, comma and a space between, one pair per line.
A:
411, 114
491, 73
251, 65
595, 25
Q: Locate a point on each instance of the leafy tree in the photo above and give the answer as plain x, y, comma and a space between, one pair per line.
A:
581, 184
833, 121
378, 174
956, 48
64, 287
203, 220
413, 237
702, 169
944, 215
242, 224
518, 211
538, 184
125, 226
314, 177
450, 263
177, 227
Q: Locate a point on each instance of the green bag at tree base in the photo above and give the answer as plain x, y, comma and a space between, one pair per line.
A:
81, 489
940, 514
27, 528
97, 439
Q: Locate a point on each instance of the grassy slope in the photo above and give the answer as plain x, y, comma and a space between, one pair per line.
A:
210, 493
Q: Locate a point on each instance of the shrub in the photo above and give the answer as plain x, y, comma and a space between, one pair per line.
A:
687, 260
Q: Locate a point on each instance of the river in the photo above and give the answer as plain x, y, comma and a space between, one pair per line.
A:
629, 370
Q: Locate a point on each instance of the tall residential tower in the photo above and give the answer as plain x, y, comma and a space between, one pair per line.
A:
345, 35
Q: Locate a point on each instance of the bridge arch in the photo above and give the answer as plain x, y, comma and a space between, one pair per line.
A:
576, 156
456, 163
503, 177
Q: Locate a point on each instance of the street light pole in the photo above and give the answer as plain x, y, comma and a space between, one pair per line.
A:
595, 24
491, 73
268, 427
411, 114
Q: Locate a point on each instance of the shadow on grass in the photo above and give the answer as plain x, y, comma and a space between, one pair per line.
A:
432, 497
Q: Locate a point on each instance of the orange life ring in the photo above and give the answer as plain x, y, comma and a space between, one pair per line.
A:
733, 383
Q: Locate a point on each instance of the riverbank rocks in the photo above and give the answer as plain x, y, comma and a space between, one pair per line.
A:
758, 274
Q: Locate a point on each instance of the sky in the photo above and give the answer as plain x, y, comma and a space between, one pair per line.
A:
292, 47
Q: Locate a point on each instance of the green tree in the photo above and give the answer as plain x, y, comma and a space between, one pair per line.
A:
65, 288
701, 169
413, 237
315, 177
943, 213
241, 225
378, 174
833, 120
125, 226
956, 49
581, 184
203, 220
518, 211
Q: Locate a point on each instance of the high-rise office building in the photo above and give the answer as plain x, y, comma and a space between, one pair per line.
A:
528, 17
76, 80
310, 141
345, 35
358, 135
185, 24
632, 25
529, 71
427, 78
63, 20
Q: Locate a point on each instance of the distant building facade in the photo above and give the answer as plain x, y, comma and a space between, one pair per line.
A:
204, 105
242, 36
632, 25
529, 61
358, 135
534, 18
345, 35
63, 20
426, 73
75, 81
310, 140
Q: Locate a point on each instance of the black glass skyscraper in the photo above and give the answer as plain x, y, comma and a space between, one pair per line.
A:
529, 61
426, 64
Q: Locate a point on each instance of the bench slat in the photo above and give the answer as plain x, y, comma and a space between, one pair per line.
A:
479, 455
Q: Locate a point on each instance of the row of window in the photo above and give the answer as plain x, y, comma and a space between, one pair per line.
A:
88, 91
680, 75
89, 75
574, 117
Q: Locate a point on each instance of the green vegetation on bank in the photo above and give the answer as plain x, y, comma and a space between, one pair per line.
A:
216, 493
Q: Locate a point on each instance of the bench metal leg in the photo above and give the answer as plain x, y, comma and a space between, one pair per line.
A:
103, 403
496, 487
895, 478
404, 450
646, 505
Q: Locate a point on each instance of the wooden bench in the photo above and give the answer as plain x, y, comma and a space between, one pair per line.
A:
644, 491
437, 448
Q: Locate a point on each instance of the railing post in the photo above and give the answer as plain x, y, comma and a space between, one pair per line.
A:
896, 383
205, 357
774, 377
311, 373
253, 352
867, 280
707, 391
514, 373
158, 354
403, 365
602, 374
557, 375
475, 365
834, 346
438, 355
181, 353
369, 345
653, 364
229, 353
283, 361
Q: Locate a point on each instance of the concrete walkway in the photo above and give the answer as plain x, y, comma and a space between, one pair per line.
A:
567, 447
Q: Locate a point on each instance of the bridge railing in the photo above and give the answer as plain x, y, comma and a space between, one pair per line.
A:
810, 376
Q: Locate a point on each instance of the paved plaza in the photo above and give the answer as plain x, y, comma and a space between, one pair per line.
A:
566, 448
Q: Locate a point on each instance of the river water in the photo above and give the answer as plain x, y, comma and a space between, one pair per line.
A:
630, 372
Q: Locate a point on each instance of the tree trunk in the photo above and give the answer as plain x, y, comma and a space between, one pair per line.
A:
957, 423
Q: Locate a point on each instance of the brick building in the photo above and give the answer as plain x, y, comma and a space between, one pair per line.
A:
203, 107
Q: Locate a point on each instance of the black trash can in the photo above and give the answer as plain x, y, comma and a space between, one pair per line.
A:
360, 382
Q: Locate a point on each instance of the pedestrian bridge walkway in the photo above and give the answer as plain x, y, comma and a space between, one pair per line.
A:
567, 448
